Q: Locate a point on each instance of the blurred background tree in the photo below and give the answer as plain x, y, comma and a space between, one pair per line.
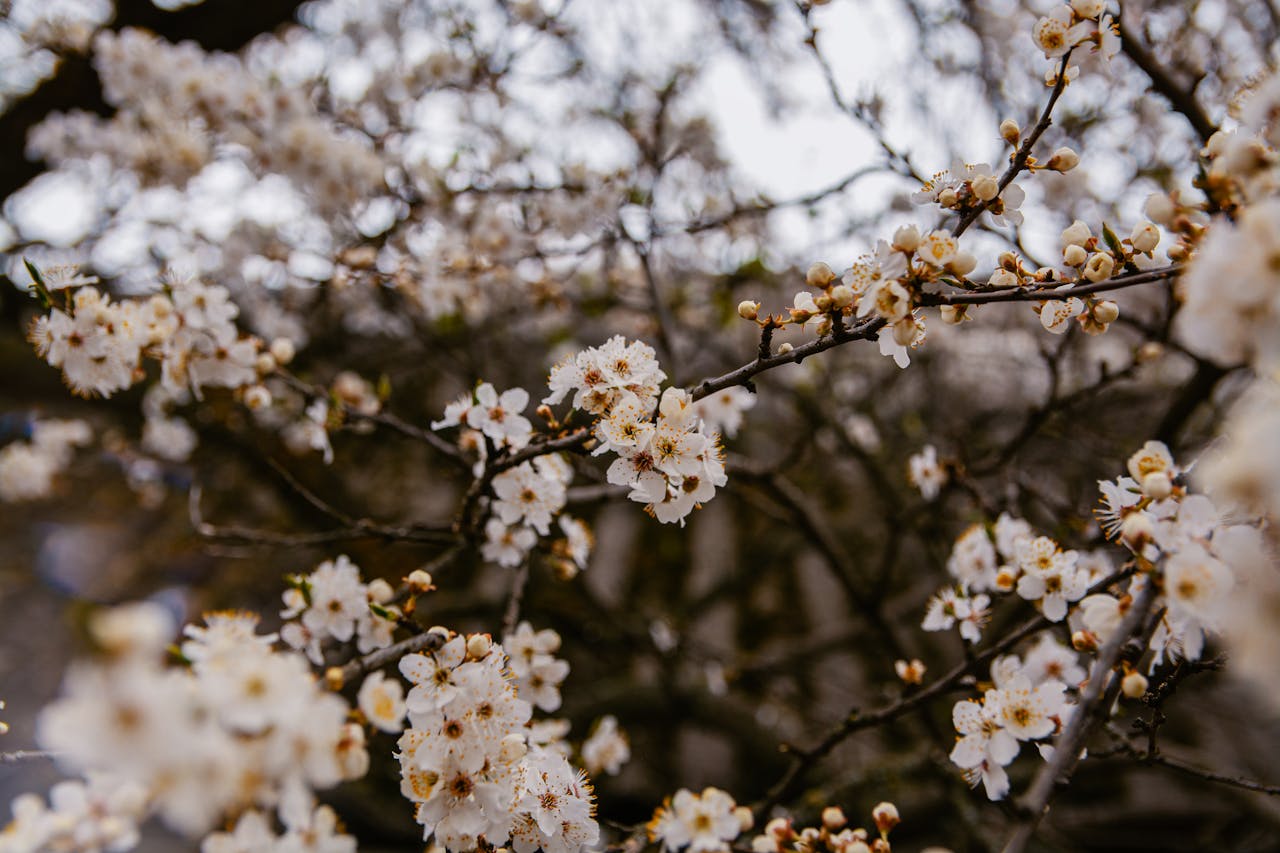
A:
433, 193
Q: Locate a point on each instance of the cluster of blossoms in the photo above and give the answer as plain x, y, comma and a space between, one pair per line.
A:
332, 603
1190, 546
1009, 558
1089, 260
1027, 702
100, 813
528, 496
669, 458
240, 726
190, 329
967, 187
1075, 23
305, 830
884, 285
468, 763
703, 823
28, 468
538, 672
275, 124
1231, 291
833, 835
1181, 542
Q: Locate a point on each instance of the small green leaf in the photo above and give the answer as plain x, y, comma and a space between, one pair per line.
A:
1112, 241
39, 290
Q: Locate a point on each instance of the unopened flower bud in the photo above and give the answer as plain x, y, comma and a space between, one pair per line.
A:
886, 817
1134, 685
1002, 278
841, 295
745, 818
948, 197
1076, 234
748, 310
963, 263
819, 275
1084, 641
419, 580
906, 238
1157, 485
833, 818
379, 591
1063, 160
264, 363
1106, 312
954, 315
1150, 351
1010, 132
779, 828
858, 847
565, 570
257, 397
333, 678
785, 348
1099, 267
1160, 208
880, 846
1088, 8
1008, 261
478, 646
823, 301
513, 748
1136, 530
986, 187
1006, 578
1145, 237
283, 350
1074, 255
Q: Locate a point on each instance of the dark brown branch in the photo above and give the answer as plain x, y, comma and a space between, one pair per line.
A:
1181, 97
1023, 153
802, 760
1051, 291
1210, 776
1090, 709
353, 669
361, 528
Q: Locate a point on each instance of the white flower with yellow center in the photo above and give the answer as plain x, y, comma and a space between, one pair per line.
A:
381, 700
983, 748
1027, 712
1055, 35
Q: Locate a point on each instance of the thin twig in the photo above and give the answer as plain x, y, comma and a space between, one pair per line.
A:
518, 583
1023, 154
426, 642
855, 721
358, 529
22, 755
